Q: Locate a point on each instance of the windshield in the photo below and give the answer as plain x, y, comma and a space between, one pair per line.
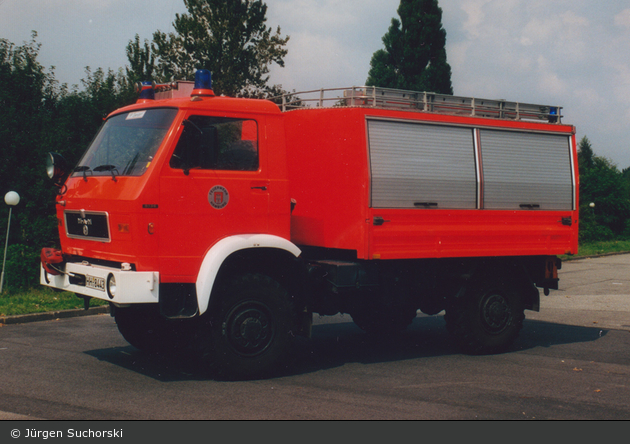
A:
126, 143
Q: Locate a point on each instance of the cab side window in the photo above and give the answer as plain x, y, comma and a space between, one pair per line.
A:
217, 143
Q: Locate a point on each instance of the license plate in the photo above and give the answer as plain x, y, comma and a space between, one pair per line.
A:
95, 282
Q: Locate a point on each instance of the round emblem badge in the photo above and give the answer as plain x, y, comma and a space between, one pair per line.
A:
218, 197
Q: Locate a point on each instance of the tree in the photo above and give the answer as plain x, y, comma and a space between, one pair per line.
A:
602, 184
28, 97
585, 154
414, 57
228, 37
37, 115
142, 61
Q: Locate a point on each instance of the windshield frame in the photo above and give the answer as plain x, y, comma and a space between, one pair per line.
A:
127, 143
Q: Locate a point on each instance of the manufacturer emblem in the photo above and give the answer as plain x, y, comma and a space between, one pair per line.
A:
85, 223
218, 197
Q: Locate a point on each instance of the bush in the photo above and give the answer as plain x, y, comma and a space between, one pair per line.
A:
595, 233
22, 267
602, 184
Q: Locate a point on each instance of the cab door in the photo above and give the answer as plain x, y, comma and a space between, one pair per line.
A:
215, 185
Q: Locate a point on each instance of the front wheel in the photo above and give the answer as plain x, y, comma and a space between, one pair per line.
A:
487, 319
252, 330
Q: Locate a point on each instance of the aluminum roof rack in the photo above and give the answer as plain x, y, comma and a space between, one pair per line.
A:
386, 98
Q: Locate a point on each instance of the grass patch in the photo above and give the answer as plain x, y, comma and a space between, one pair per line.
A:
599, 248
40, 300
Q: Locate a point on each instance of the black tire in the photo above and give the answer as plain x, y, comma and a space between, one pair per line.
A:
385, 321
486, 320
253, 328
146, 329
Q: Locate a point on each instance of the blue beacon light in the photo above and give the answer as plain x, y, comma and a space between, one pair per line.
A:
147, 92
203, 83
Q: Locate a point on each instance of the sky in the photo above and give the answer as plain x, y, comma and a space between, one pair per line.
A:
569, 53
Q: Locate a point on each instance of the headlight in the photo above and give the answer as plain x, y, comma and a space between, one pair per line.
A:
50, 166
111, 286
56, 168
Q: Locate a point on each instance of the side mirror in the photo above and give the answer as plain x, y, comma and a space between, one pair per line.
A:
57, 168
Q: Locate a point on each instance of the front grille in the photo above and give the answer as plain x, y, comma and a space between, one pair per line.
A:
87, 225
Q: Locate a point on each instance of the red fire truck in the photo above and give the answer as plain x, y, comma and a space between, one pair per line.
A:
222, 224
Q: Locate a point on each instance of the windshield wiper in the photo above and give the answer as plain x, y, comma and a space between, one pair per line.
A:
110, 168
84, 170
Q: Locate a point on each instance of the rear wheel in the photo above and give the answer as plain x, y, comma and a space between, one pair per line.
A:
251, 332
487, 320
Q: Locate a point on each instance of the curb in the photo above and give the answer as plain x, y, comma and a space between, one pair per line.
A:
594, 256
52, 315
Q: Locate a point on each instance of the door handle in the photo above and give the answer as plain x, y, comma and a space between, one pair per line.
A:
378, 221
259, 185
425, 204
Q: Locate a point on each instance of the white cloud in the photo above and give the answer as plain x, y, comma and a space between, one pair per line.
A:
572, 19
321, 61
331, 41
621, 85
549, 81
552, 29
623, 18
475, 16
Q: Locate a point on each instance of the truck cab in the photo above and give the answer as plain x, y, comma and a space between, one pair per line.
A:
167, 191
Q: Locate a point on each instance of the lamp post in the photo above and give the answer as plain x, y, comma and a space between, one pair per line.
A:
11, 198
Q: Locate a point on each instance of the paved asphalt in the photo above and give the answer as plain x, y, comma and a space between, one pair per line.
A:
594, 292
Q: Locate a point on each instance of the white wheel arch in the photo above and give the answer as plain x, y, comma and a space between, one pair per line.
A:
220, 251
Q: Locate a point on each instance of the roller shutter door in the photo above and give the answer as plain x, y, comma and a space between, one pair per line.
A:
526, 171
421, 166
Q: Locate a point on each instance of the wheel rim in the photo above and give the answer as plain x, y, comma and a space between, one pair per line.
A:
248, 328
495, 313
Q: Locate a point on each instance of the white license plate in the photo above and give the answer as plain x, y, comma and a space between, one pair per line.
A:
95, 282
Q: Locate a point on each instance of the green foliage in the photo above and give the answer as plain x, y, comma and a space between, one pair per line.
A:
597, 248
21, 261
585, 154
37, 115
604, 186
414, 57
142, 61
28, 97
40, 300
228, 37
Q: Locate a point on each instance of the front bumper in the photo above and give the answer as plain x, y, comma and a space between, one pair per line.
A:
132, 287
